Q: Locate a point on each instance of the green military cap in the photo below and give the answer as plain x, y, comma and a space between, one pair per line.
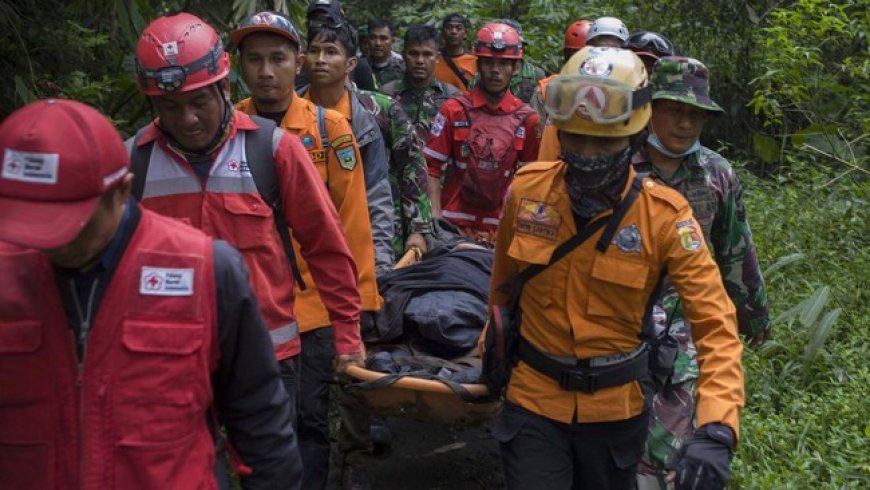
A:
684, 80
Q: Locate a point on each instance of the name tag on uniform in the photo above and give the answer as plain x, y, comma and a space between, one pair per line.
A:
161, 281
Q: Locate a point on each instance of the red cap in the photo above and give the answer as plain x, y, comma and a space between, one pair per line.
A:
59, 157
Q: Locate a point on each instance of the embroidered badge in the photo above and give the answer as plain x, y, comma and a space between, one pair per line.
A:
689, 237
595, 65
317, 156
233, 165
628, 239
521, 133
538, 218
26, 166
346, 158
161, 281
308, 141
341, 140
438, 124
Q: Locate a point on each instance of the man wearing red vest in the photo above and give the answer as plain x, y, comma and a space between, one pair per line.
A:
201, 171
479, 140
121, 329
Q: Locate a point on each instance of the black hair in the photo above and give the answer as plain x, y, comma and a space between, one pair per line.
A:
456, 17
420, 33
343, 34
381, 23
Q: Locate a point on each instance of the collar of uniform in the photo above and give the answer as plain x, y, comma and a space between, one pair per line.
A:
506, 105
295, 118
241, 121
343, 106
405, 86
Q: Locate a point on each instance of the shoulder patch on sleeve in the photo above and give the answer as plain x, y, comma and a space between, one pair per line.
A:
438, 125
341, 140
346, 158
664, 193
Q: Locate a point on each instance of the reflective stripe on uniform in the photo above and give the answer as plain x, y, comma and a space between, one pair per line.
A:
231, 175
457, 215
284, 334
434, 154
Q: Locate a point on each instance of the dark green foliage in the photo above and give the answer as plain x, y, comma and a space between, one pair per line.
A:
793, 78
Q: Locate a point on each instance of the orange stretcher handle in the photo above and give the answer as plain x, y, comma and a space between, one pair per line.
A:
415, 384
411, 257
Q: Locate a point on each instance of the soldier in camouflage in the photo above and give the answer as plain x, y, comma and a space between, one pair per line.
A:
418, 92
386, 64
408, 176
525, 82
674, 156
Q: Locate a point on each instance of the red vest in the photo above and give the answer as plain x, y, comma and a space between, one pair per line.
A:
133, 413
488, 151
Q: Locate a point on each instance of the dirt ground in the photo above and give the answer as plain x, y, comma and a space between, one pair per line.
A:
437, 457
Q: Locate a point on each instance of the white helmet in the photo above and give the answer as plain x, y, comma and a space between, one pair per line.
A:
608, 26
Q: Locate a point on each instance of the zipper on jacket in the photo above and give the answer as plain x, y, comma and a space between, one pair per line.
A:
84, 328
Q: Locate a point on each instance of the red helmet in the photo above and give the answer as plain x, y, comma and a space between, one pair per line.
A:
575, 35
179, 53
495, 40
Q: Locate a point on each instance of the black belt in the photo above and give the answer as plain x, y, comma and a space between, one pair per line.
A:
581, 377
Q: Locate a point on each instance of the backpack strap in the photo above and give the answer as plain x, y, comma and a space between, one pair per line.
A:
321, 126
455, 69
140, 158
582, 235
260, 146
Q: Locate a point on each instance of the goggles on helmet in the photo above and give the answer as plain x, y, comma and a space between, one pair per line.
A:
649, 42
603, 100
171, 78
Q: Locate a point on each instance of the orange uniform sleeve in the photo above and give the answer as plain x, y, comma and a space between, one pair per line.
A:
315, 225
348, 191
720, 395
503, 267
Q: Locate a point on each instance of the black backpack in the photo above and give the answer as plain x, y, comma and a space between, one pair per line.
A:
260, 150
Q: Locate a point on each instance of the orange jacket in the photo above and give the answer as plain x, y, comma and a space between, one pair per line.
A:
550, 148
591, 304
346, 187
467, 64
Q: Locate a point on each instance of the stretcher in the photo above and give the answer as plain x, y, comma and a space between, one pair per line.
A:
422, 398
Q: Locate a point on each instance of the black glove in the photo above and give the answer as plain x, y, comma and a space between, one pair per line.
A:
704, 462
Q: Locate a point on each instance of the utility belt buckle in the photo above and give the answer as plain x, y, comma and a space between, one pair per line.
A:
575, 380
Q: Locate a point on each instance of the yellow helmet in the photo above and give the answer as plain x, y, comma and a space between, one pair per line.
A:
600, 92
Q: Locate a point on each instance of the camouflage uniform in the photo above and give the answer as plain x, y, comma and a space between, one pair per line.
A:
708, 182
421, 105
394, 69
408, 176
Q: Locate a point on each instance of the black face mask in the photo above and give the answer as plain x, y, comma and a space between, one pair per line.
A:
595, 183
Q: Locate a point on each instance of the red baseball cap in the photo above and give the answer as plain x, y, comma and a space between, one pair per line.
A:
59, 157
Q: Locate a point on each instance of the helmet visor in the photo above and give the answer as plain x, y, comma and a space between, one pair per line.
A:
603, 100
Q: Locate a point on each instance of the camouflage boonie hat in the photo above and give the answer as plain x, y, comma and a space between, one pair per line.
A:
683, 80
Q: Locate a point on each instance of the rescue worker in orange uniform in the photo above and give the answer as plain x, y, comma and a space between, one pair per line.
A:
124, 335
479, 139
269, 52
455, 65
200, 169
577, 401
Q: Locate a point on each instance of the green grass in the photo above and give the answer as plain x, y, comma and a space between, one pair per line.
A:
807, 418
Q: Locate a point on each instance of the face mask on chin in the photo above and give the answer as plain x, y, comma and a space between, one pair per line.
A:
656, 143
595, 184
